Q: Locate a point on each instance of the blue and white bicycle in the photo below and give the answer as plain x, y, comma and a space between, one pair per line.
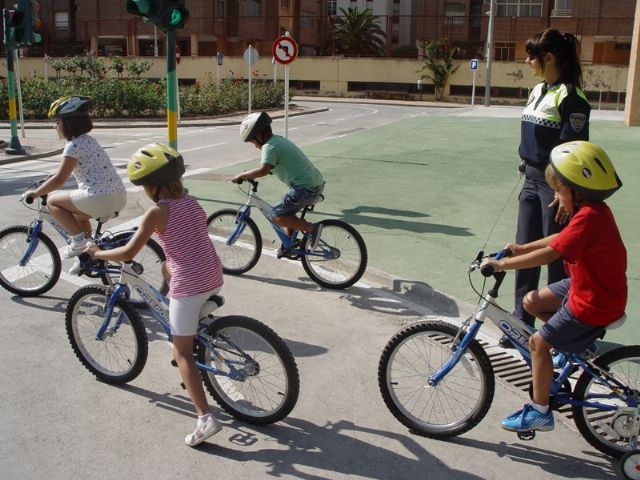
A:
438, 381
246, 367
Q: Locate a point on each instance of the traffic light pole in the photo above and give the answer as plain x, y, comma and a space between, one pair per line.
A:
172, 97
14, 148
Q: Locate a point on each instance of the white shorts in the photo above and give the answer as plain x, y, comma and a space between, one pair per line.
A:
184, 312
98, 205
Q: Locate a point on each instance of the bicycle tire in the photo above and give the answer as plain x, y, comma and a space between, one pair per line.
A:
590, 422
42, 271
350, 263
121, 355
413, 355
268, 384
245, 252
150, 257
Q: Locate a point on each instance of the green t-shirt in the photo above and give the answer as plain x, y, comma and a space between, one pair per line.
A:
290, 164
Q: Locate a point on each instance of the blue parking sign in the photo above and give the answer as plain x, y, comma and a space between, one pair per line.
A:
474, 64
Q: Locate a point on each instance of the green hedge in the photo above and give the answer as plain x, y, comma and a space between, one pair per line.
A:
139, 98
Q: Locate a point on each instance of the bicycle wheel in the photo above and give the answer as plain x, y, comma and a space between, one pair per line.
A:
243, 254
258, 380
41, 272
457, 403
150, 257
121, 354
610, 430
345, 260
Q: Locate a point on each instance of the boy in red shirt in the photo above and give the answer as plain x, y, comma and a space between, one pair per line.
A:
577, 309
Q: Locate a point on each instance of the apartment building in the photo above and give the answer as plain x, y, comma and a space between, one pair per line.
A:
104, 26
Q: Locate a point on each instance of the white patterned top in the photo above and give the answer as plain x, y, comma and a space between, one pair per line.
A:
94, 172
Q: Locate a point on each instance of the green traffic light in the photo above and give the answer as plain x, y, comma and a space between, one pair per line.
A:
176, 17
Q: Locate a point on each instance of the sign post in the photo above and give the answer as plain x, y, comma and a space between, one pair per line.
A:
285, 51
251, 57
474, 69
219, 64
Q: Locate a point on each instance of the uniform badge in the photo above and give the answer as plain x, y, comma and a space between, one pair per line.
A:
577, 121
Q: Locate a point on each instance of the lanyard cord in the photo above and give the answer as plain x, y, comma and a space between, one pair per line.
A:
502, 211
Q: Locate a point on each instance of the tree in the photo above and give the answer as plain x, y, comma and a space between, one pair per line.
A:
438, 62
357, 32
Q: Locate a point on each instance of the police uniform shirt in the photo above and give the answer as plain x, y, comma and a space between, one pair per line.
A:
553, 115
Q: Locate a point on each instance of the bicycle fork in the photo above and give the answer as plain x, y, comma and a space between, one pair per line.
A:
458, 354
245, 211
110, 303
33, 232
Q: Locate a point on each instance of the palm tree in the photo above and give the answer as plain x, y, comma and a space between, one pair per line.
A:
357, 32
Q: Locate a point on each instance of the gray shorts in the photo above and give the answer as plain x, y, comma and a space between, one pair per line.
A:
564, 331
295, 200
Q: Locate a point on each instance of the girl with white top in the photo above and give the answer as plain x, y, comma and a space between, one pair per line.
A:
100, 190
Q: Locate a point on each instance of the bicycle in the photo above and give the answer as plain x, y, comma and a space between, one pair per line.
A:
246, 367
30, 264
338, 261
438, 381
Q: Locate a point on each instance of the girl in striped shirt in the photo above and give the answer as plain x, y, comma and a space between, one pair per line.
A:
192, 270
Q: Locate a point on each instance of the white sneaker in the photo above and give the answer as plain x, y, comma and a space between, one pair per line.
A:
75, 248
203, 430
76, 268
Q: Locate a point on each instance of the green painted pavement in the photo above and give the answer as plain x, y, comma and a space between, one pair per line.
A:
428, 193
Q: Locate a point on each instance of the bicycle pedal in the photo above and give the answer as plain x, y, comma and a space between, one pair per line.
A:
527, 435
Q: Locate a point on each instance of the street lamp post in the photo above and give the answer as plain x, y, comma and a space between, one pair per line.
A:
487, 85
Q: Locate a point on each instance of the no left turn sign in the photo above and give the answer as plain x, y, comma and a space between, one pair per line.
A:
285, 50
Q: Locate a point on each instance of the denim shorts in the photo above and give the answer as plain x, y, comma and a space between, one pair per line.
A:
563, 330
295, 200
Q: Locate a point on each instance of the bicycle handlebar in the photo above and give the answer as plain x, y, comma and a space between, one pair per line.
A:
253, 182
487, 270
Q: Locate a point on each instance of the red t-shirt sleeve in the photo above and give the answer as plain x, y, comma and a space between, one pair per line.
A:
572, 241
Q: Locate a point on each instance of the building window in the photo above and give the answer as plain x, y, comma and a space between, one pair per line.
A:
284, 4
252, 8
332, 8
504, 51
455, 13
306, 20
519, 8
220, 8
61, 20
562, 8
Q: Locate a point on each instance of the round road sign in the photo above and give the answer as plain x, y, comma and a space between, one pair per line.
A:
285, 50
251, 55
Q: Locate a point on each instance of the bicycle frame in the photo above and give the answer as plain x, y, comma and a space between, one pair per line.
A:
288, 242
519, 333
159, 307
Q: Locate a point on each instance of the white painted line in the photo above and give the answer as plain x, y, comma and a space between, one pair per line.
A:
204, 146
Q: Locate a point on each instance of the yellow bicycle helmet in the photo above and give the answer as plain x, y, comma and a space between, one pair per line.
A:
586, 168
69, 106
155, 165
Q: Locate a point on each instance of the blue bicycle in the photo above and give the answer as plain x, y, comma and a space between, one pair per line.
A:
438, 381
338, 261
30, 264
246, 367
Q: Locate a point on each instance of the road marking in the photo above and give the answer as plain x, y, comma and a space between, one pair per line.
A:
204, 146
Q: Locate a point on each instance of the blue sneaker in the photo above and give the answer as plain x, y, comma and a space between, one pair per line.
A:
528, 419
559, 360
314, 237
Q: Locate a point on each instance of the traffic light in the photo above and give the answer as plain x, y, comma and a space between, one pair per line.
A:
36, 24
164, 14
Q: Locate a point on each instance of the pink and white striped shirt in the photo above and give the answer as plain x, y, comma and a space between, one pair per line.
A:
195, 265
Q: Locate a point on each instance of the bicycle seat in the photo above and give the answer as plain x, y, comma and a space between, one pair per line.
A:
212, 303
618, 323
107, 217
315, 202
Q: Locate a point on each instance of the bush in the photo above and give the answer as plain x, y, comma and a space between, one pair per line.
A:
134, 97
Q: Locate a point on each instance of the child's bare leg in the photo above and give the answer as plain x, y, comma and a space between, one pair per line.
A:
291, 222
541, 368
60, 206
183, 353
542, 303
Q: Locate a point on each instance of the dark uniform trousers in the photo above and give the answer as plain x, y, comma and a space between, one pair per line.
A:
535, 220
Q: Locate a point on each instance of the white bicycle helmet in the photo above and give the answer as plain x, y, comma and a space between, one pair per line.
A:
254, 124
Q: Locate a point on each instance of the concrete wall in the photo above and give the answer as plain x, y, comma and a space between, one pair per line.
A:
334, 72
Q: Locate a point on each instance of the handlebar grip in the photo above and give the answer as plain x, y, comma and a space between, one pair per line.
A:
488, 270
28, 199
